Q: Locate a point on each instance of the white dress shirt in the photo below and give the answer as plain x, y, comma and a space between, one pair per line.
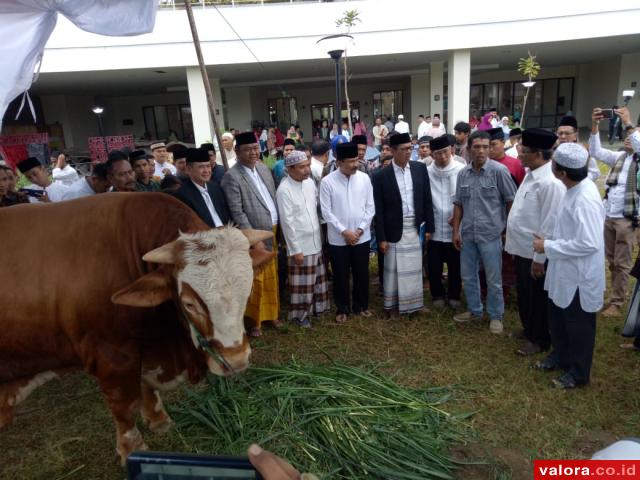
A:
436, 132
614, 205
159, 167
264, 193
534, 211
401, 127
576, 249
66, 175
405, 185
317, 167
443, 183
209, 203
81, 188
423, 128
299, 216
56, 192
512, 151
347, 204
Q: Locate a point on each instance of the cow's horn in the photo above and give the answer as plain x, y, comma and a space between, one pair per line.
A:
255, 236
163, 254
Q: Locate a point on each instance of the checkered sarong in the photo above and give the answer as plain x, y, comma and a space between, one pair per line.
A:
402, 283
308, 286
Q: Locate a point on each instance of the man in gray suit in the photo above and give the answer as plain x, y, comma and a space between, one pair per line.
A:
251, 196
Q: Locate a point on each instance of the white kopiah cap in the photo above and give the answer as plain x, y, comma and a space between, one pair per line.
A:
400, 117
571, 155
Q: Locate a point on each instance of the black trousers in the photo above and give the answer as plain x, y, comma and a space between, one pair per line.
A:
532, 304
573, 337
439, 253
351, 261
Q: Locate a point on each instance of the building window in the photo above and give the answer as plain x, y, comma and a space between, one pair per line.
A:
283, 112
387, 104
548, 100
170, 122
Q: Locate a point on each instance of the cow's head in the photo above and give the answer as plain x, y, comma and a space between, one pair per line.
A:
212, 273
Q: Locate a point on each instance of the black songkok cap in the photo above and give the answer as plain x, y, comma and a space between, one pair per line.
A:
515, 132
359, 139
289, 141
346, 151
538, 138
439, 143
568, 121
245, 138
182, 152
25, 165
496, 133
424, 139
205, 146
116, 155
197, 155
137, 155
399, 138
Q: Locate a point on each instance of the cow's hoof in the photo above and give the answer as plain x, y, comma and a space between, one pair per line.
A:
131, 441
161, 426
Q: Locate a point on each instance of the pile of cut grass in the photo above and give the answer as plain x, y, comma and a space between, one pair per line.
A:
336, 421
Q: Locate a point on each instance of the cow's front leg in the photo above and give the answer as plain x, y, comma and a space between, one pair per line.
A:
152, 410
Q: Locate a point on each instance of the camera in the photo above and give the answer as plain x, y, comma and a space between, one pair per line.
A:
606, 113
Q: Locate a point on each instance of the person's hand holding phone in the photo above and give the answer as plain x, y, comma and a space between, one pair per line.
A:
624, 114
272, 467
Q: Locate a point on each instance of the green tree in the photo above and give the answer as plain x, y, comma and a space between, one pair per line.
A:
348, 20
529, 68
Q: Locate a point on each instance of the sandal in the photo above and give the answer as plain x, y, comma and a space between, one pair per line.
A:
255, 332
341, 318
366, 313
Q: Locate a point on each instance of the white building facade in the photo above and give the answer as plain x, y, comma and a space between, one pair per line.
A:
265, 67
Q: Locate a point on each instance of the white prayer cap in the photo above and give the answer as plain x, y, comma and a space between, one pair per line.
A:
294, 158
227, 135
571, 155
400, 117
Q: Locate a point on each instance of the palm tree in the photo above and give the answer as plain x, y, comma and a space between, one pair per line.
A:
348, 20
529, 68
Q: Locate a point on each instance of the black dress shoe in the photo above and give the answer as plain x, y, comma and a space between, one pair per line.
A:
565, 382
547, 365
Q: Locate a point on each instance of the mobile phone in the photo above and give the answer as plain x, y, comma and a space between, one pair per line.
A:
607, 113
185, 466
32, 193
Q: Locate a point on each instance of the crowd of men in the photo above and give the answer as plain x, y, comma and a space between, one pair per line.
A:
534, 221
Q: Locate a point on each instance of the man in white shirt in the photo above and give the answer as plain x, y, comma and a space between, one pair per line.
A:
63, 172
437, 128
443, 177
567, 132
346, 199
161, 160
37, 175
515, 134
575, 273
533, 212
621, 207
297, 205
228, 143
380, 132
95, 183
423, 126
319, 158
495, 123
401, 126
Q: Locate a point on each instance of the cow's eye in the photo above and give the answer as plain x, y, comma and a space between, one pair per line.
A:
190, 306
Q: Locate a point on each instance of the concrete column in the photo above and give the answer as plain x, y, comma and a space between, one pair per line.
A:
420, 92
202, 124
630, 75
459, 86
437, 88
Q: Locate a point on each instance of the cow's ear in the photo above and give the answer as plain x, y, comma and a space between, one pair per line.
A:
260, 258
148, 291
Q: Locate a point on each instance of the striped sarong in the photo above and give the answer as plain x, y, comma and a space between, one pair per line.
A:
309, 287
264, 301
402, 282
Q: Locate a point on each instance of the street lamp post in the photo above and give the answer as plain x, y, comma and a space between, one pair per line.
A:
98, 111
335, 46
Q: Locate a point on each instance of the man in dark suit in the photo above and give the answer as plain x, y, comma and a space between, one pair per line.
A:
402, 196
217, 171
204, 196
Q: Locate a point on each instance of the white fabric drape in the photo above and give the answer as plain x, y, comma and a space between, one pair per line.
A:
25, 27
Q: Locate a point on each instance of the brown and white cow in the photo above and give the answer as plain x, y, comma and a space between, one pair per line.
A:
121, 285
